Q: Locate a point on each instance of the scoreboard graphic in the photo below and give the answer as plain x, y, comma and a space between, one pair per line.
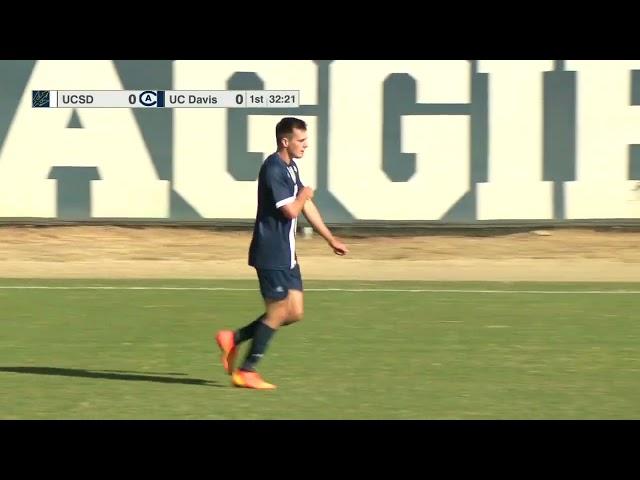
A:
165, 98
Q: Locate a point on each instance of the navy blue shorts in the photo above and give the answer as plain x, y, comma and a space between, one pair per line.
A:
275, 284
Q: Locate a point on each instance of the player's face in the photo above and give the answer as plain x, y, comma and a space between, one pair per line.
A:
297, 144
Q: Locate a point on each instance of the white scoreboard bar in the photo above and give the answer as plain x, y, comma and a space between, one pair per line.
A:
165, 98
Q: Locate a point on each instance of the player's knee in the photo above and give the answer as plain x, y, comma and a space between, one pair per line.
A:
295, 315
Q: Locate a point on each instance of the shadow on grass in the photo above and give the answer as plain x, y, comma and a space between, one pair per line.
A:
109, 375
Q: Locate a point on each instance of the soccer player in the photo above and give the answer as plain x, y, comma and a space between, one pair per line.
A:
281, 198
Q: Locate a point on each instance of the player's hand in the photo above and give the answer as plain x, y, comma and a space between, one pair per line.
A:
338, 247
306, 192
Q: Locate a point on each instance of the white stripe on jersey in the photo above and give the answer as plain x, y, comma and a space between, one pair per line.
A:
292, 241
286, 201
294, 222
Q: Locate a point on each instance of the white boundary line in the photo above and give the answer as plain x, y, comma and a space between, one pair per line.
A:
233, 289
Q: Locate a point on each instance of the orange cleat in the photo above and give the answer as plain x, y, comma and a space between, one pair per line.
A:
242, 378
228, 347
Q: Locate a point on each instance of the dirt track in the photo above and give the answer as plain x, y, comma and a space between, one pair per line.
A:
165, 252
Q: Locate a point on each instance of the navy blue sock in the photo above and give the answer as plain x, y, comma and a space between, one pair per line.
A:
245, 333
261, 338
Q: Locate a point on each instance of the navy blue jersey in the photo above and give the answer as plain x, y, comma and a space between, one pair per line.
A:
273, 245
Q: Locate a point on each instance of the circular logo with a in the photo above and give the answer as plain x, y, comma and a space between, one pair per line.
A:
148, 98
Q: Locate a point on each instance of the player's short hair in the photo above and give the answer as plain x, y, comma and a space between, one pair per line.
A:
285, 127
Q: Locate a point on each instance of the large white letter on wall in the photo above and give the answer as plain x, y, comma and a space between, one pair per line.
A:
38, 140
607, 124
440, 142
515, 189
200, 135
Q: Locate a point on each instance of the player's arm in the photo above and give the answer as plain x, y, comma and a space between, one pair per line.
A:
312, 214
276, 182
292, 210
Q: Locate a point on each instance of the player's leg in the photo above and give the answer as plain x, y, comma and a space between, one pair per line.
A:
274, 286
228, 341
246, 333
277, 313
296, 307
247, 376
296, 296
274, 290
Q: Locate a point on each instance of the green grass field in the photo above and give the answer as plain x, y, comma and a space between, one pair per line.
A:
150, 353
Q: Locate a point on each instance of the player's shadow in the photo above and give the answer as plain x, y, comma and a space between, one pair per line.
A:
110, 375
